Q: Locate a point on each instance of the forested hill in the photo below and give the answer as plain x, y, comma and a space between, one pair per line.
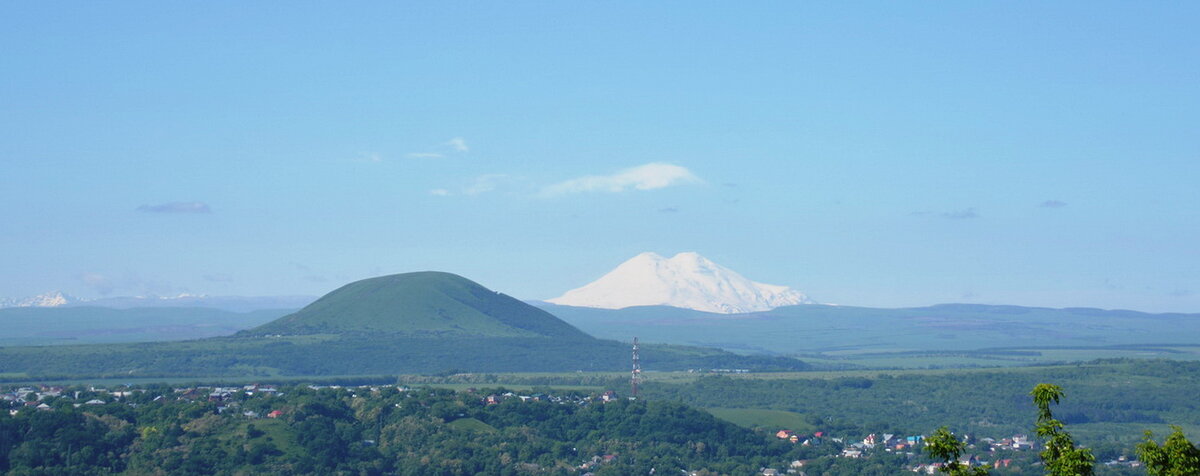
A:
420, 303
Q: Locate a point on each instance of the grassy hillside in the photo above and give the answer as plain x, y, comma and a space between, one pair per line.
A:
86, 325
420, 303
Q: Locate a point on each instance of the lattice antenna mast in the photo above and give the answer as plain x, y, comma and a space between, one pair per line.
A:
636, 376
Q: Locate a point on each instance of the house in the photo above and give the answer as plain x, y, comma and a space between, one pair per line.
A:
275, 414
492, 399
852, 453
770, 472
784, 434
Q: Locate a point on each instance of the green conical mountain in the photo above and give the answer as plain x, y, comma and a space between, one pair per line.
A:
424, 303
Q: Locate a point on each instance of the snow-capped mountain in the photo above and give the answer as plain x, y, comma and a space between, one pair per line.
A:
50, 299
686, 280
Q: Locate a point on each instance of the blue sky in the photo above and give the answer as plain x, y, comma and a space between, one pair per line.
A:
876, 153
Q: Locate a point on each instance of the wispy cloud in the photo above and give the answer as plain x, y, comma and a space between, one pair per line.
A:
458, 144
454, 146
485, 183
964, 214
650, 176
1053, 204
479, 185
176, 207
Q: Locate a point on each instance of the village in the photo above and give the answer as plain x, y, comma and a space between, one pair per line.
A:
991, 452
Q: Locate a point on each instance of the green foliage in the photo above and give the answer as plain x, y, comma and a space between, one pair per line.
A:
1175, 457
945, 447
1060, 455
383, 431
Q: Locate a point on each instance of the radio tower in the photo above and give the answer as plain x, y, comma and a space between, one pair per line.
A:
636, 377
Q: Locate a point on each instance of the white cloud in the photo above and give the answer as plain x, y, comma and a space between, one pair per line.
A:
484, 184
439, 192
454, 146
458, 144
650, 176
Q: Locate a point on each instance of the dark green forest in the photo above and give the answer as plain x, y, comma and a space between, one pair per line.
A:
378, 431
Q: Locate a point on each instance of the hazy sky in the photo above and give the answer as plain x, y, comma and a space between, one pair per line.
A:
879, 153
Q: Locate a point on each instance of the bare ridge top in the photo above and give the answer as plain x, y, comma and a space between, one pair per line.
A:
686, 280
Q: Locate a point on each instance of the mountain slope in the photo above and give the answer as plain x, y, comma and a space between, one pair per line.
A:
433, 303
686, 280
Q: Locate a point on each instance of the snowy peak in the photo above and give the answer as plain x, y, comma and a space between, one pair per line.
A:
50, 299
686, 280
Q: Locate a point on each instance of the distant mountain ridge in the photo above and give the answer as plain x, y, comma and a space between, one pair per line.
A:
813, 329
92, 324
224, 303
56, 299
50, 299
686, 280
